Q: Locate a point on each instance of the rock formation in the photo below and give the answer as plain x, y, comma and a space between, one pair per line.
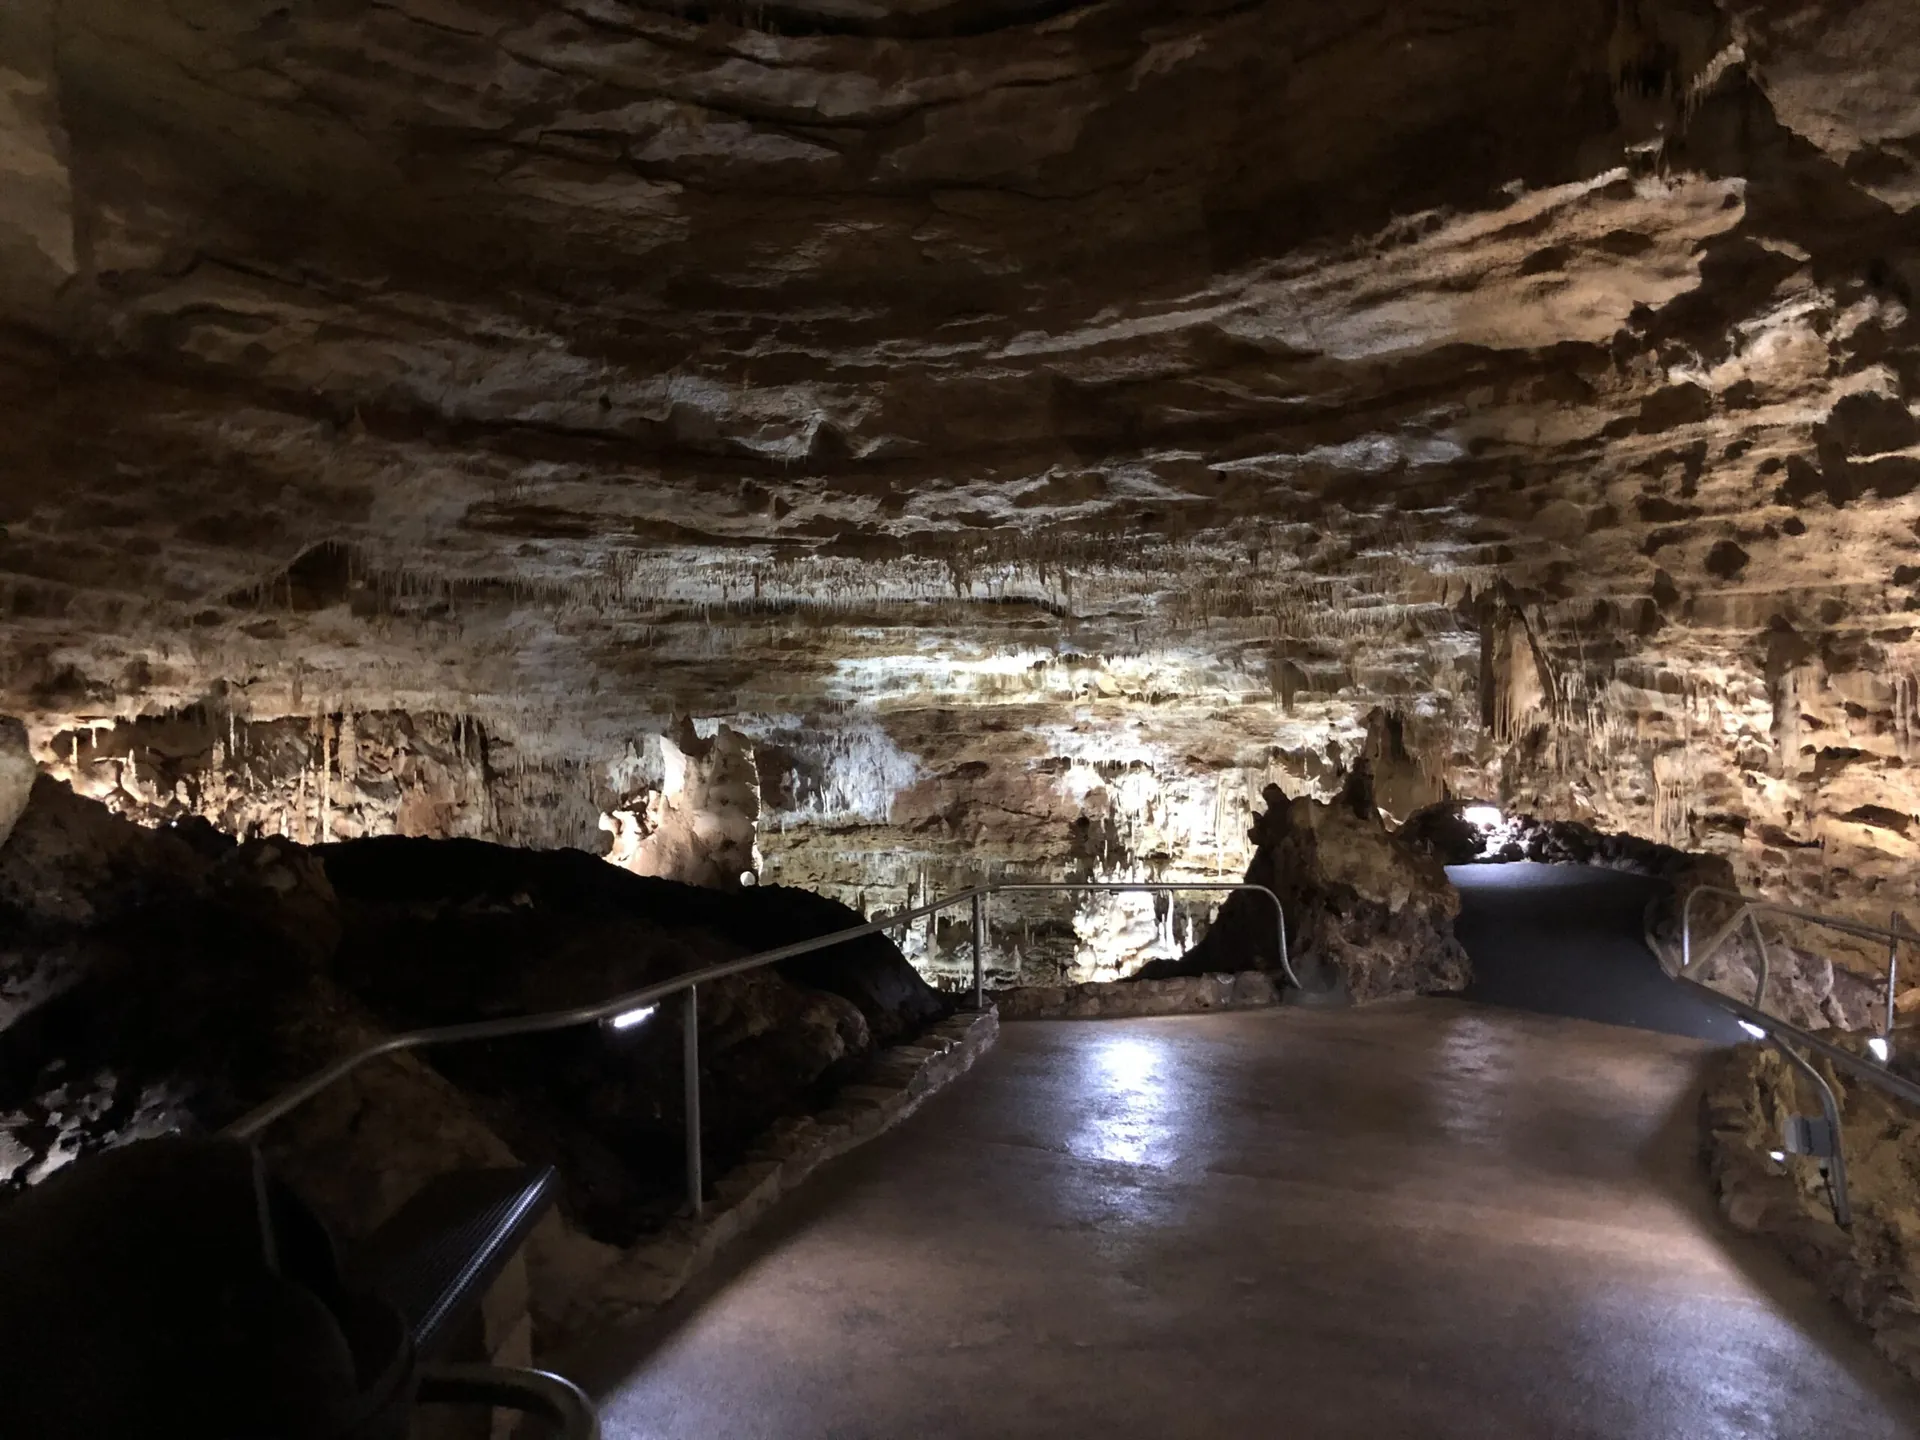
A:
167, 979
699, 825
1872, 1268
1036, 428
18, 771
1369, 916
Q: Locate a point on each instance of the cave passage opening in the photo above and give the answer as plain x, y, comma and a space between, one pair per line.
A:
1570, 939
1560, 919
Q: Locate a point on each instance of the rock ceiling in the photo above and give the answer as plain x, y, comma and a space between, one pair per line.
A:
1037, 425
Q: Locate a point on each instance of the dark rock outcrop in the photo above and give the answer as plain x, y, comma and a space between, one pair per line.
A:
158, 987
440, 932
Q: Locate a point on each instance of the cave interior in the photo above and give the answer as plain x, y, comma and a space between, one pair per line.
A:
820, 456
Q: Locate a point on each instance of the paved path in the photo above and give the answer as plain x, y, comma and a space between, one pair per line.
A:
1432, 1219
1568, 940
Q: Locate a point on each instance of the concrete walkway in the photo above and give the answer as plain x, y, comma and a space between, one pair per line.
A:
1430, 1219
1568, 940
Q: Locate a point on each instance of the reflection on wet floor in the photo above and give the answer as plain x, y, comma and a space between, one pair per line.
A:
1131, 1106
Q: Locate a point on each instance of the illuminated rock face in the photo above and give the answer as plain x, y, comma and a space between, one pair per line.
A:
1035, 430
698, 826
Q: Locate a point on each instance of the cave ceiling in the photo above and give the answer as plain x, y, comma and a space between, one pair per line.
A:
986, 390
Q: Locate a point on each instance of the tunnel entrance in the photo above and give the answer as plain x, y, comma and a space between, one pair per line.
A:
1537, 895
1557, 917
1570, 939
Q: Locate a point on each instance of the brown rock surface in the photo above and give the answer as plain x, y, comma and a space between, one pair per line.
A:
1369, 915
1874, 1267
1036, 428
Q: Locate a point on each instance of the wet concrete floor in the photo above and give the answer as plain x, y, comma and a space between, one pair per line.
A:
1433, 1218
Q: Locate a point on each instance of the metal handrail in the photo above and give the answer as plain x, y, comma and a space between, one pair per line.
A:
541, 1022
1780, 1032
249, 1126
556, 1399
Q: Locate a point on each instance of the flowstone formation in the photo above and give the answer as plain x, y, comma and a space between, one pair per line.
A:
699, 825
1034, 428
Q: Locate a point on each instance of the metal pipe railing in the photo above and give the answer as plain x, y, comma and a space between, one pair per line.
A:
1859, 1066
568, 1412
1755, 902
255, 1121
1784, 1035
1836, 1170
250, 1125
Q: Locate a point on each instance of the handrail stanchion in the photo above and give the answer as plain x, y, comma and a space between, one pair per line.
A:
1836, 1166
1779, 1032
1893, 975
690, 1060
1766, 960
979, 949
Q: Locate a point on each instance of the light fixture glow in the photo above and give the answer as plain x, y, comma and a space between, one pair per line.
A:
1753, 1029
1880, 1048
1485, 816
627, 1019
1779, 1157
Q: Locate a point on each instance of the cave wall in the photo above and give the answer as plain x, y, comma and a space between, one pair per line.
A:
1034, 430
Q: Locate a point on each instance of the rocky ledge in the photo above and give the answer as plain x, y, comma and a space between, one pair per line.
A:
1873, 1268
1133, 999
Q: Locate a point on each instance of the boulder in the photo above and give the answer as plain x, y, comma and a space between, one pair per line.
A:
17, 774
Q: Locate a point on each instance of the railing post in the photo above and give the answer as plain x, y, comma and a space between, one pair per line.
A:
1766, 960
1836, 1166
1893, 971
979, 949
690, 1055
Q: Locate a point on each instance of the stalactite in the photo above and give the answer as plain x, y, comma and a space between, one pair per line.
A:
326, 782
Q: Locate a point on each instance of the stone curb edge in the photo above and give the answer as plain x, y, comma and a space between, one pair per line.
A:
901, 1079
1130, 999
